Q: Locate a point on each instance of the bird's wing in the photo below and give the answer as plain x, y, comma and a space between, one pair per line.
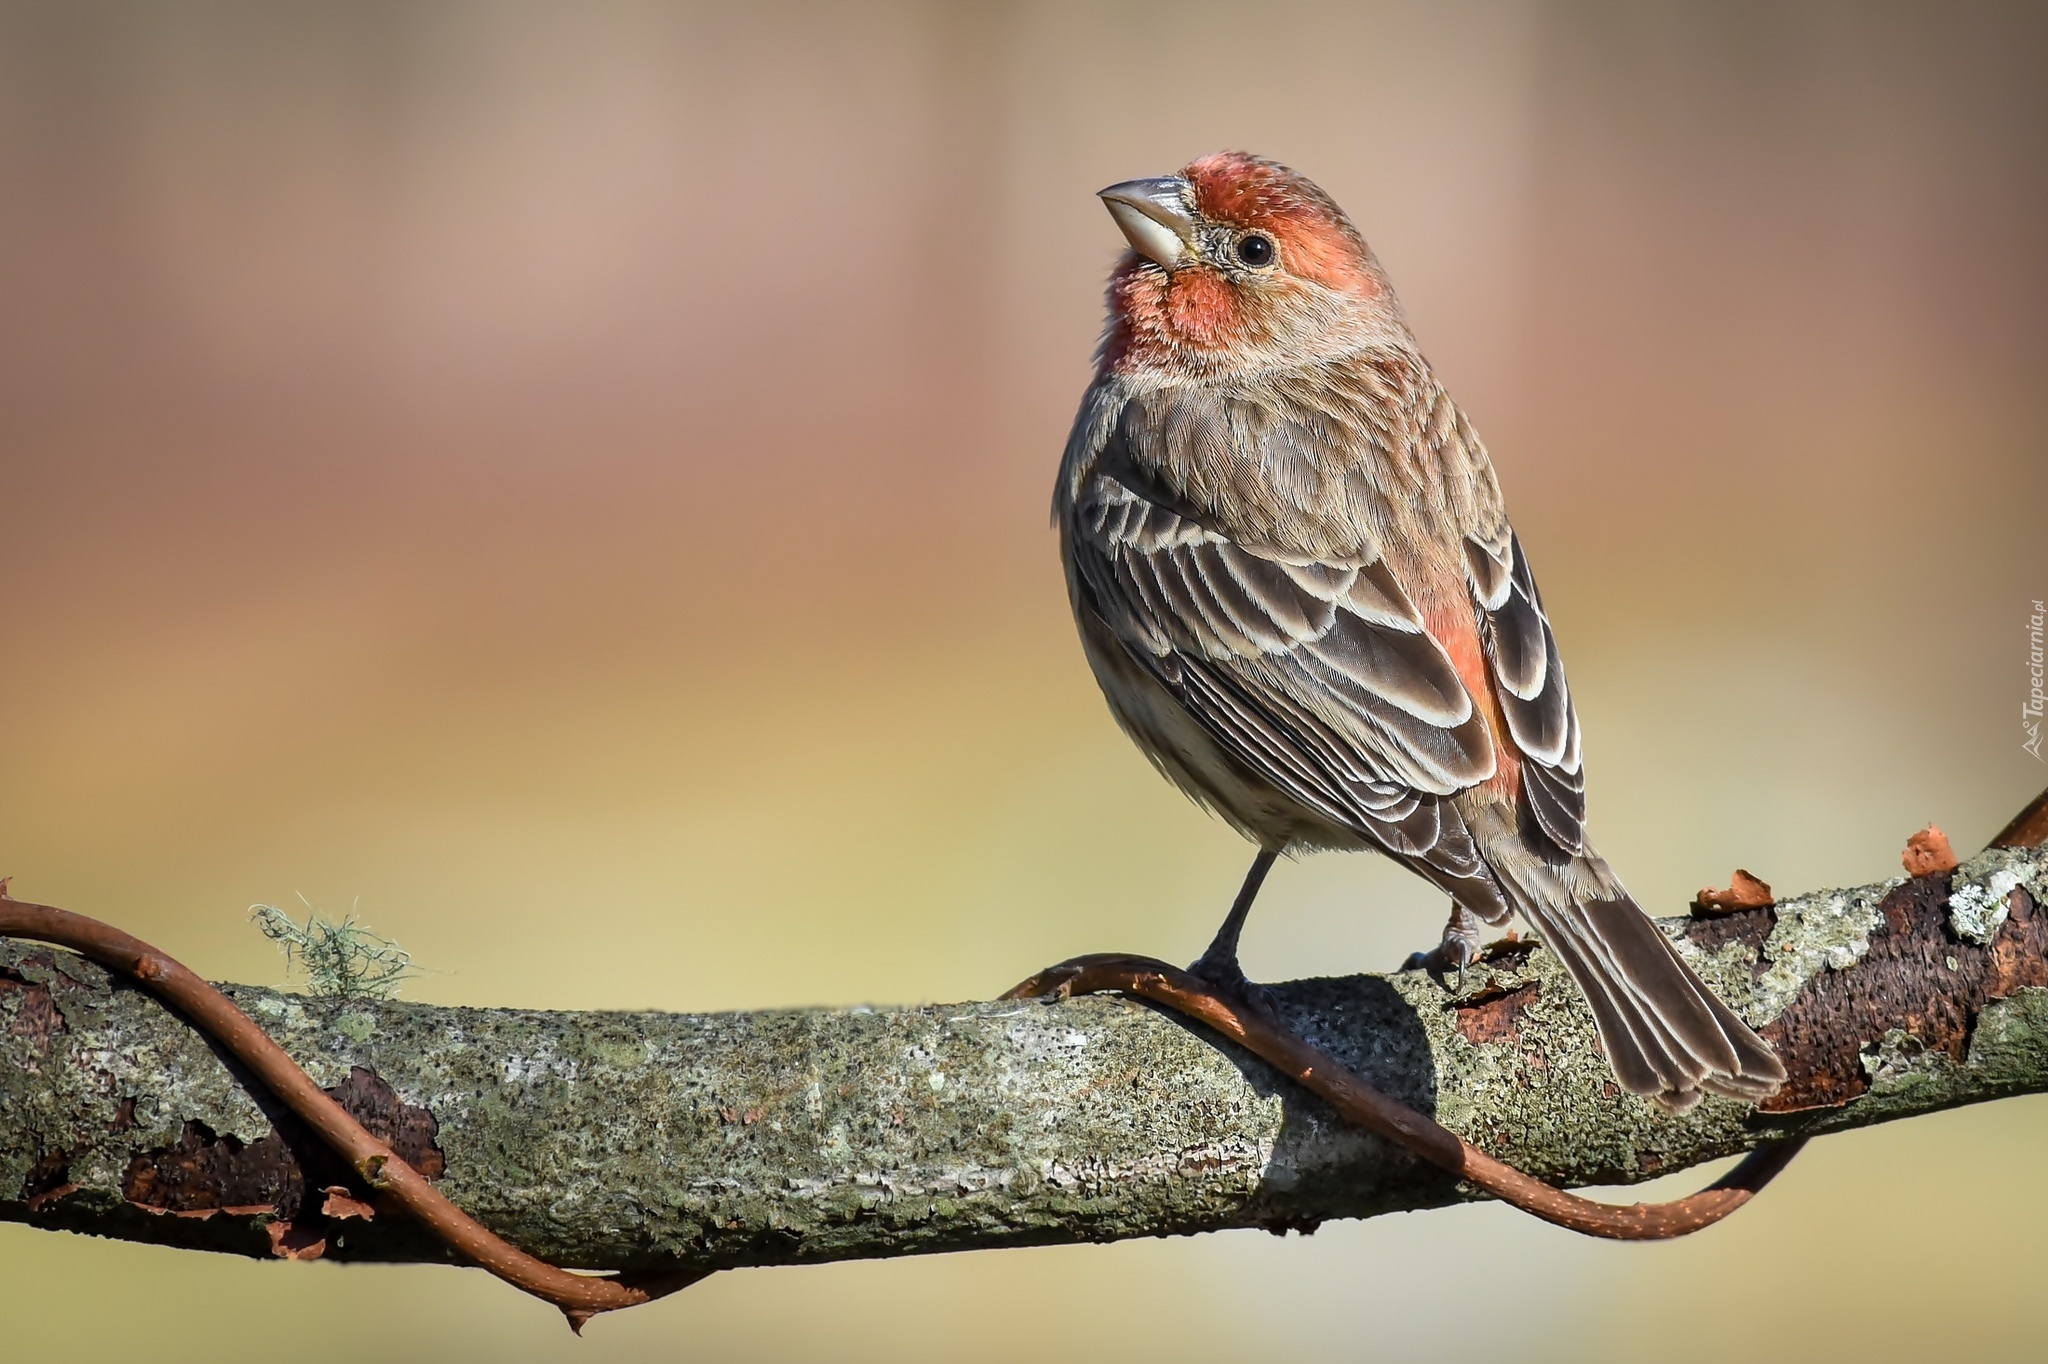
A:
1317, 672
1529, 680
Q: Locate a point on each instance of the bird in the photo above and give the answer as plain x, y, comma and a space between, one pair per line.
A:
1295, 580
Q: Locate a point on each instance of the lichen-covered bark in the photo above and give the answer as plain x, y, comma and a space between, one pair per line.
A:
640, 1140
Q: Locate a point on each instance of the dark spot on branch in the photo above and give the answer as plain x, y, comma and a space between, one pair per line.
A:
1510, 948
288, 1173
1496, 1017
1919, 977
204, 1172
48, 1180
1750, 927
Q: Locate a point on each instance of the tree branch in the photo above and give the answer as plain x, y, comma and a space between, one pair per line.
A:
678, 1142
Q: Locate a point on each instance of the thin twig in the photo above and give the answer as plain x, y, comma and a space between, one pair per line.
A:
2028, 828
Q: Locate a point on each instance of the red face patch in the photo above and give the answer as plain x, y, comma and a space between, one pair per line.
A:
1153, 313
1203, 308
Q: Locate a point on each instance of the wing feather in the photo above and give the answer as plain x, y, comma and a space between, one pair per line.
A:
1535, 700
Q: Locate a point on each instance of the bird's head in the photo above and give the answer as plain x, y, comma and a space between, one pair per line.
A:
1237, 264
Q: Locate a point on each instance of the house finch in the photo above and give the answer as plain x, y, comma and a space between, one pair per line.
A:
1294, 578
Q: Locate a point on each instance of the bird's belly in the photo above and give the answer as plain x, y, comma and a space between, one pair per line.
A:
1185, 752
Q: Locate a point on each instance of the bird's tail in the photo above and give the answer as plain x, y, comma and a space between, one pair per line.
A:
1667, 1036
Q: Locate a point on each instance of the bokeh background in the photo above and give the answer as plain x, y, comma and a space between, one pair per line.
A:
571, 482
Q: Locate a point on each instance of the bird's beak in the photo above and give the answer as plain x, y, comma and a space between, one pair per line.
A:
1154, 216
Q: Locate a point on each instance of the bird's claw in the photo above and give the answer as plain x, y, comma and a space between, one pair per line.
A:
1228, 979
1452, 954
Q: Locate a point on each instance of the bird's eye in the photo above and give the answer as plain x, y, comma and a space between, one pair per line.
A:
1255, 249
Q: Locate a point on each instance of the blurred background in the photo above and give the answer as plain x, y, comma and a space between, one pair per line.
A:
571, 483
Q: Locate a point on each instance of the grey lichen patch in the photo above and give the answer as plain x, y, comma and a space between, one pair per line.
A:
2009, 1049
1728, 969
1897, 1059
1980, 891
1827, 930
356, 1027
342, 958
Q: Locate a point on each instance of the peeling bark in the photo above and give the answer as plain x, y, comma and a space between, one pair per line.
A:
659, 1141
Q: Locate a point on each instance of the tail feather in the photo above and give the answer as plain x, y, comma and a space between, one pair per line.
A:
1632, 951
1667, 1035
1640, 1061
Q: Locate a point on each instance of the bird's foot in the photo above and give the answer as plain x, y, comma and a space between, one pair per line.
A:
1458, 950
1229, 980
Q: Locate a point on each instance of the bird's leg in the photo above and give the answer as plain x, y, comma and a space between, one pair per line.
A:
1458, 950
1218, 965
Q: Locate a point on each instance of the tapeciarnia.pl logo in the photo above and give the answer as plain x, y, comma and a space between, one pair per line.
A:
2030, 709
